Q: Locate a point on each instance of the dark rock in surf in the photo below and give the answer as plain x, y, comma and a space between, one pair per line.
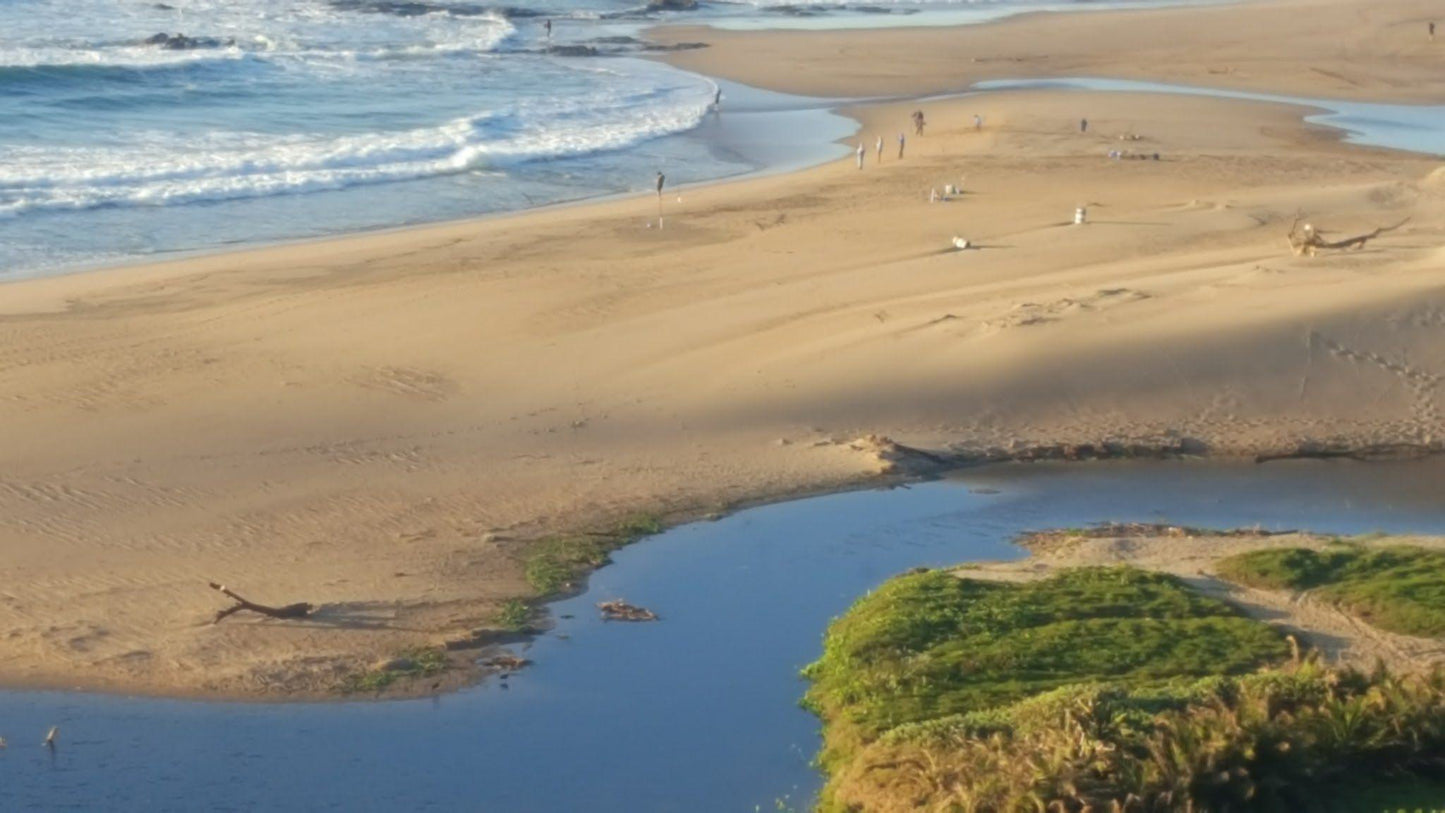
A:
414, 8
676, 46
572, 50
181, 42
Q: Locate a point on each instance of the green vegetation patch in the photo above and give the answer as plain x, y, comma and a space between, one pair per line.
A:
927, 645
1101, 688
1398, 588
1299, 738
556, 564
515, 616
410, 663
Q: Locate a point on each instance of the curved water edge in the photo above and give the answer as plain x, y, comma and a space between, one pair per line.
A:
1408, 127
698, 711
213, 124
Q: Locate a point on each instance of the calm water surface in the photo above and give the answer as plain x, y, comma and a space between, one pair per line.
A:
695, 713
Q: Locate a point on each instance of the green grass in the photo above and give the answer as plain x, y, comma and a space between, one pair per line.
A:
557, 564
410, 663
930, 644
1396, 588
515, 616
1297, 738
943, 693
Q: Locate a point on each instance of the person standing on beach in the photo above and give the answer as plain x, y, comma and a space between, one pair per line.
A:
901, 141
1432, 30
1083, 125
860, 153
977, 122
918, 122
879, 148
660, 180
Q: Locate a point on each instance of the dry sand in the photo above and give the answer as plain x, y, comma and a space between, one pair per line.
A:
380, 423
1338, 49
1339, 636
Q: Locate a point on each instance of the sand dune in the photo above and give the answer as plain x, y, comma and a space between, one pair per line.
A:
380, 424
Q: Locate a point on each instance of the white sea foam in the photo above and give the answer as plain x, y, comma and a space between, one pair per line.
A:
71, 36
159, 169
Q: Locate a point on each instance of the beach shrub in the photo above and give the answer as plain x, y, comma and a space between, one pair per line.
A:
1302, 737
1103, 688
1398, 588
931, 644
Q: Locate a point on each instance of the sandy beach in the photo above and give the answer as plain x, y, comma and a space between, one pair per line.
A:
383, 424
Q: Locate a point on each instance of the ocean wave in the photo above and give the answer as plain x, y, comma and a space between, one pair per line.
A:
292, 32
128, 56
168, 170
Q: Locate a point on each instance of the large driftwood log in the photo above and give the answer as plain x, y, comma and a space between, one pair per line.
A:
298, 610
1307, 240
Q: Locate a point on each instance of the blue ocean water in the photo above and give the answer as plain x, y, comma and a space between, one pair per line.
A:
132, 128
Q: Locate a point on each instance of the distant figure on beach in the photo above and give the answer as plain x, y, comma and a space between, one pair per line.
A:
548, 26
879, 148
918, 122
901, 141
717, 101
977, 122
1083, 125
1432, 30
860, 153
660, 180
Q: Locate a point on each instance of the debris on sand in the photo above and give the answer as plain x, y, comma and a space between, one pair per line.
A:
506, 662
619, 610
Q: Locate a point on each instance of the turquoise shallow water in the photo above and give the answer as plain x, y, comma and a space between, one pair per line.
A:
697, 712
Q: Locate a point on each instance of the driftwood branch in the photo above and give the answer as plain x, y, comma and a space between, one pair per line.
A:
298, 610
1307, 240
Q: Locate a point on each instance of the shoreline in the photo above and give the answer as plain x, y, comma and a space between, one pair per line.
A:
901, 467
823, 108
367, 411
675, 32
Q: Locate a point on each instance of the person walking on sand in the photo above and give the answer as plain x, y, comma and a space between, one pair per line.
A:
918, 122
879, 148
977, 122
860, 152
1432, 30
901, 141
1083, 125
